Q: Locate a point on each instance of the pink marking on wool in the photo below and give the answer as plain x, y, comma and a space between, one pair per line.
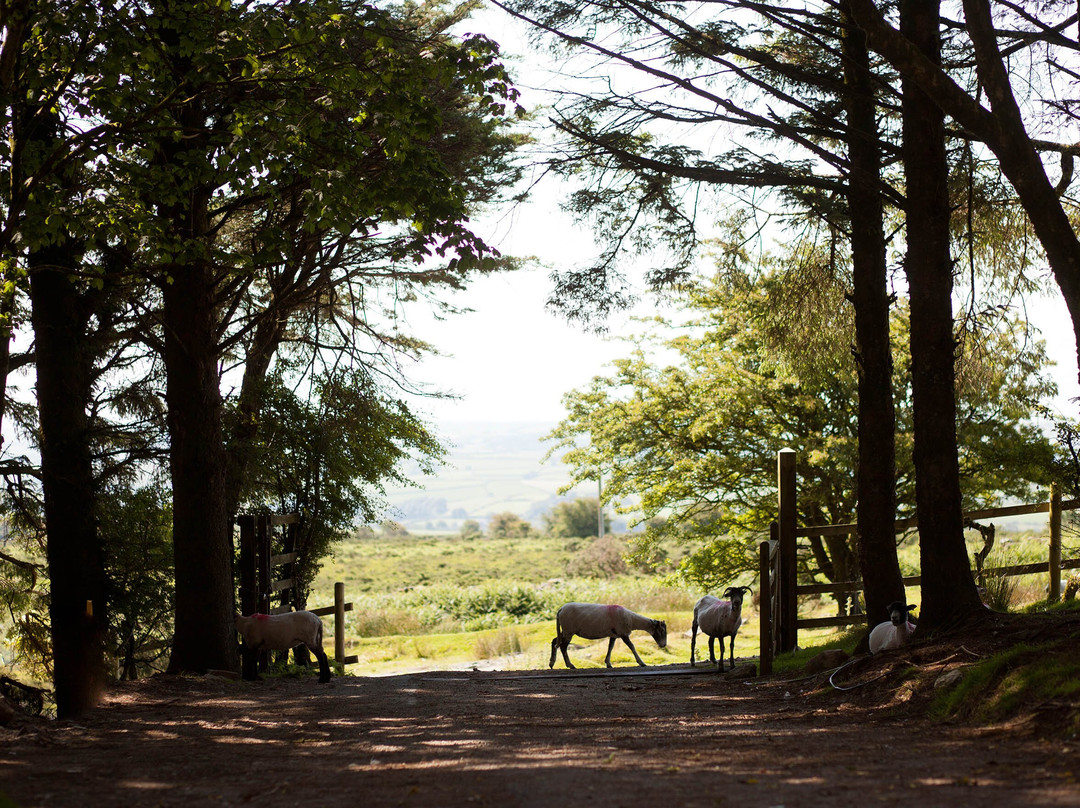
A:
613, 606
261, 616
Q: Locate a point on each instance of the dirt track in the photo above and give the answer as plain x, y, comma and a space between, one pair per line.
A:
528, 739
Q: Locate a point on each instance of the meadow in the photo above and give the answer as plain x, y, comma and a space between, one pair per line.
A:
438, 603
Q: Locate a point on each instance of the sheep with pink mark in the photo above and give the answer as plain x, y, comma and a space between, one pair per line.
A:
895, 631
718, 619
280, 632
595, 621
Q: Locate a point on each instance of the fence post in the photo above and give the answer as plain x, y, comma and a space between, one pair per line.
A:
765, 596
249, 597
785, 483
1054, 594
339, 622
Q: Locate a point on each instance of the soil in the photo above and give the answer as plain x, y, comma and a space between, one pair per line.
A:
659, 736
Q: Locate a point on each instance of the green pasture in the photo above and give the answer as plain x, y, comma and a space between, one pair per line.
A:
436, 603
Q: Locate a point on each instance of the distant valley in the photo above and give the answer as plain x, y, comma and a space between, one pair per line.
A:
491, 468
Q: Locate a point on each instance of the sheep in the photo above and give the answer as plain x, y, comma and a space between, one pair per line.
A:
280, 632
594, 621
895, 631
718, 618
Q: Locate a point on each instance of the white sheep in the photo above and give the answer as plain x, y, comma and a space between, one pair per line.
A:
280, 632
594, 621
895, 631
718, 619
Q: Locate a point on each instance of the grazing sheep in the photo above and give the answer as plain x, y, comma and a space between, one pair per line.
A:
594, 621
280, 632
894, 632
718, 618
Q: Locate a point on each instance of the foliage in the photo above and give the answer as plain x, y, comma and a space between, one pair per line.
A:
136, 530
599, 558
508, 525
470, 529
576, 518
696, 439
328, 457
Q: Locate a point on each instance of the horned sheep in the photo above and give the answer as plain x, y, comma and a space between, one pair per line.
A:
718, 619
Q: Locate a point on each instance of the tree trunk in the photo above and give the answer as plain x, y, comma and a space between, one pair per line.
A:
948, 588
1002, 130
876, 508
76, 559
205, 635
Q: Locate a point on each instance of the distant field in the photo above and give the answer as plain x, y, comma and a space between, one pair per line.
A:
490, 469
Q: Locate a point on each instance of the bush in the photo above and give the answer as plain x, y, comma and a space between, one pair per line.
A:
600, 558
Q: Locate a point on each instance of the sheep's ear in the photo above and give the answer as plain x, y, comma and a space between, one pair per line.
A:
912, 607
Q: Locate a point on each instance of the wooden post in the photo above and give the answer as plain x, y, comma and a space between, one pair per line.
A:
765, 647
1054, 595
785, 480
339, 623
249, 599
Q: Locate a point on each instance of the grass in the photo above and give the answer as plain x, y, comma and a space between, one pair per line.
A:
1008, 682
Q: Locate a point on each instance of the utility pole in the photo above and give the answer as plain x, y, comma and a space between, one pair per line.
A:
599, 503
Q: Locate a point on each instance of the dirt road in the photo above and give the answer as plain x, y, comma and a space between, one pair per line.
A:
667, 739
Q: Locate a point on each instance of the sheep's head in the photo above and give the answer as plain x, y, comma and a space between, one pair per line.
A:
736, 594
660, 633
898, 612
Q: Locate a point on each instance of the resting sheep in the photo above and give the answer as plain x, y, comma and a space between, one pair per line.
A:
718, 618
280, 632
894, 632
594, 621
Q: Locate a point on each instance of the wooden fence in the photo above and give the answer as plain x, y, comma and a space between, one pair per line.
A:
259, 586
779, 587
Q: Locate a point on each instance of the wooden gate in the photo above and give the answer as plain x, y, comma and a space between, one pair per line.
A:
780, 621
260, 582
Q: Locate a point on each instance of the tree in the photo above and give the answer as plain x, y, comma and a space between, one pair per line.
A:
328, 456
781, 74
508, 525
1002, 127
576, 518
948, 586
189, 119
697, 439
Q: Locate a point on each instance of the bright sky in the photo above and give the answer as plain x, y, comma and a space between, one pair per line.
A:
512, 359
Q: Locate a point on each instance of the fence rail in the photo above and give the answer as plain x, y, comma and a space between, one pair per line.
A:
779, 588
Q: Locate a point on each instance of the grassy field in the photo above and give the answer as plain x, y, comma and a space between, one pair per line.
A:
431, 603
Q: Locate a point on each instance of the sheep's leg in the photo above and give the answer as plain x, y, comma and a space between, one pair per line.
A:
712, 649
633, 650
610, 645
563, 643
693, 641
731, 651
720, 667
560, 644
324, 663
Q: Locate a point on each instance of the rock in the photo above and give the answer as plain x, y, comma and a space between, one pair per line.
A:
949, 678
827, 660
745, 671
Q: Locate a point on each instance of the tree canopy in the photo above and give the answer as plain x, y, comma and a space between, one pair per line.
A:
695, 439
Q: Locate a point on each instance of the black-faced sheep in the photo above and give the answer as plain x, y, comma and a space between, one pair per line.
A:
718, 619
894, 632
280, 632
594, 621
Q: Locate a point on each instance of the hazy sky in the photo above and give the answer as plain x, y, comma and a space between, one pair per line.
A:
511, 359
